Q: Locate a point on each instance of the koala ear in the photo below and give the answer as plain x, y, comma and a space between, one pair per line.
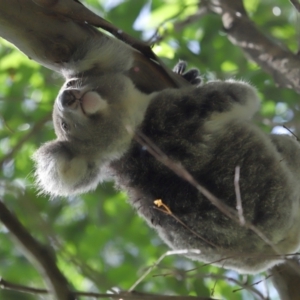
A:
60, 172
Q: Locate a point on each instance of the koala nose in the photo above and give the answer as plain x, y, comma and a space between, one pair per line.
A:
67, 98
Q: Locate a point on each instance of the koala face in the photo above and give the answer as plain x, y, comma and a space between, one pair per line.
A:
91, 117
79, 111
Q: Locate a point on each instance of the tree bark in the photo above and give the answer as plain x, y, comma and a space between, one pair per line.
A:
286, 280
269, 54
50, 39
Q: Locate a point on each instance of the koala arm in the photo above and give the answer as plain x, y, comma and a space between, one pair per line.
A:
60, 172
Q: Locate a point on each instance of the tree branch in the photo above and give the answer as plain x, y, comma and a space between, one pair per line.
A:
287, 280
51, 31
40, 255
278, 61
296, 4
119, 295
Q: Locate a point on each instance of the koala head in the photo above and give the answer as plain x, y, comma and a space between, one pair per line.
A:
91, 115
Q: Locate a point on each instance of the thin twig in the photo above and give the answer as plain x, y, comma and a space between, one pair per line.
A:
37, 126
239, 206
120, 295
168, 253
201, 12
243, 286
253, 284
178, 169
291, 132
4, 284
6, 125
167, 211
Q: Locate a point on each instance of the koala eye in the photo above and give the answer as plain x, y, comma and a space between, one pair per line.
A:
70, 83
64, 126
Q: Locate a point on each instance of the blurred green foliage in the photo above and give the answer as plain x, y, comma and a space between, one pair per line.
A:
99, 240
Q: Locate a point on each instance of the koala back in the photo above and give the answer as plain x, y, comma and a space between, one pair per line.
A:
179, 123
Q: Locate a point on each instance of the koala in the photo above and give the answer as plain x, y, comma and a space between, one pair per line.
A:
206, 128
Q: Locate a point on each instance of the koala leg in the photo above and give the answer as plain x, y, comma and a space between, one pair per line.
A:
224, 101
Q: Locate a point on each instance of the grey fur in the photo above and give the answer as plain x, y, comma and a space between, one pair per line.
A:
208, 130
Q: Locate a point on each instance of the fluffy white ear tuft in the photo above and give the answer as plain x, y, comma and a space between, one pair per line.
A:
60, 173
